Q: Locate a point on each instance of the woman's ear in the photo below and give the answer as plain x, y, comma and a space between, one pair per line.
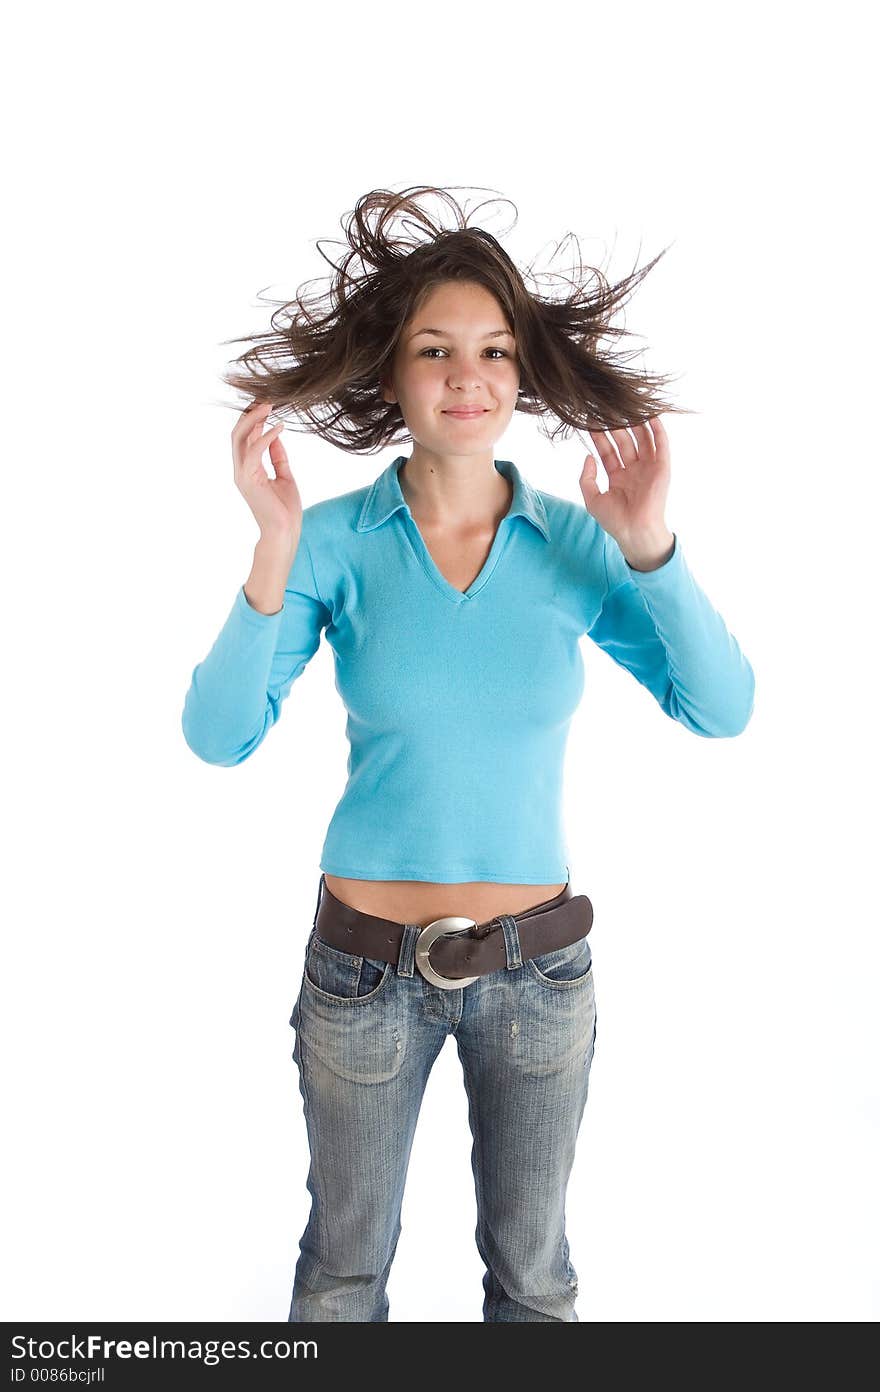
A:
387, 390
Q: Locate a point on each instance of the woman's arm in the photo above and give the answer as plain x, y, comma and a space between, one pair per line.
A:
273, 630
661, 627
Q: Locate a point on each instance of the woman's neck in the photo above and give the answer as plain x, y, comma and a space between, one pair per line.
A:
446, 492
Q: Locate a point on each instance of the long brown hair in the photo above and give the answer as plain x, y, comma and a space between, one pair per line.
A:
322, 364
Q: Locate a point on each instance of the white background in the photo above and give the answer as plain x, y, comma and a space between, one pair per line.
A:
166, 166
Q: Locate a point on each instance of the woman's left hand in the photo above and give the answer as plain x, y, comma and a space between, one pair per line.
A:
632, 509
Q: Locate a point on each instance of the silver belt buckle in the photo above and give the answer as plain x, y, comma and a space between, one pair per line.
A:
428, 935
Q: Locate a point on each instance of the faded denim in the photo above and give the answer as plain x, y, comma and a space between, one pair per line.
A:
367, 1035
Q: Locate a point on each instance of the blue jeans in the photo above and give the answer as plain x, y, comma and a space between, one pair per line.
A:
367, 1035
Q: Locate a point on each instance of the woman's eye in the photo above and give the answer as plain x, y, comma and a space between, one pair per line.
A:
500, 351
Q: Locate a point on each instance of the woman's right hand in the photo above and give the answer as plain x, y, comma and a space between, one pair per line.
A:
275, 502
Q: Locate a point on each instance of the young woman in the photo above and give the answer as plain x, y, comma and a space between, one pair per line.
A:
454, 596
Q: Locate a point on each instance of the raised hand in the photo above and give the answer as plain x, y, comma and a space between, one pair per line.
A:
632, 508
275, 502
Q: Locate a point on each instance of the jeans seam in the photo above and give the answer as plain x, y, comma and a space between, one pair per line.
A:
321, 1206
478, 1170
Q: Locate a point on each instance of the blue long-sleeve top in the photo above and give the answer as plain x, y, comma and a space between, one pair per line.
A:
459, 703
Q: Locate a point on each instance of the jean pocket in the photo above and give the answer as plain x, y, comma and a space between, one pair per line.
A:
564, 966
343, 977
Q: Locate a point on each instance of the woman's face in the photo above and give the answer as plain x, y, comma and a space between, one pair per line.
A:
471, 361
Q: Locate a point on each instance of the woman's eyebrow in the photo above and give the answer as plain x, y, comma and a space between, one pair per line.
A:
444, 333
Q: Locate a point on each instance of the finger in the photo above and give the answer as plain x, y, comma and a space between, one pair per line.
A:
251, 419
645, 441
257, 448
258, 419
589, 486
268, 437
247, 431
607, 452
256, 409
626, 445
278, 456
661, 439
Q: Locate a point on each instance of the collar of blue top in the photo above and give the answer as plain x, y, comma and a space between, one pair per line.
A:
385, 497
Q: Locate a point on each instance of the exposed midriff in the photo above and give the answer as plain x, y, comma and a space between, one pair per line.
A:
418, 901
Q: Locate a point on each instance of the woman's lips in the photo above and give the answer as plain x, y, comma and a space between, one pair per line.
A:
466, 415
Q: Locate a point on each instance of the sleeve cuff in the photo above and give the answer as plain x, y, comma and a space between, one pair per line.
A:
246, 611
671, 566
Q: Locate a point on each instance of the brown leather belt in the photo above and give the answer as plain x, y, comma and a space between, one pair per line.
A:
460, 949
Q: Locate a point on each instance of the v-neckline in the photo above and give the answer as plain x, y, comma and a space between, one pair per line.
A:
433, 571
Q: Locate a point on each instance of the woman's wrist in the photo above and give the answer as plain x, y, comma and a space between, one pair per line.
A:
273, 557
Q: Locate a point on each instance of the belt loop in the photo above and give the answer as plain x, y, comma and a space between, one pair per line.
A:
511, 940
407, 956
